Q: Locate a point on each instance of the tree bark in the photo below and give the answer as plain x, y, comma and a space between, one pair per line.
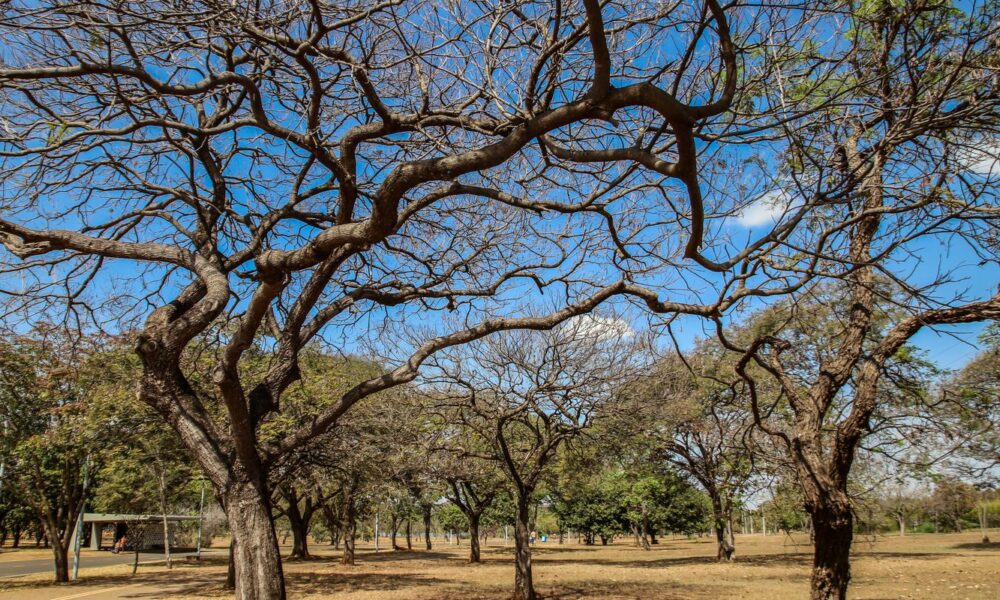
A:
60, 543
394, 527
524, 588
427, 525
299, 520
349, 527
726, 548
409, 536
61, 560
833, 530
257, 557
473, 538
983, 525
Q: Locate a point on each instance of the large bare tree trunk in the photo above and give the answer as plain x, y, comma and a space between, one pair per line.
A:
833, 531
256, 556
524, 588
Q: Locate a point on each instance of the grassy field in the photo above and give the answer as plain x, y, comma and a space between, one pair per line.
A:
939, 567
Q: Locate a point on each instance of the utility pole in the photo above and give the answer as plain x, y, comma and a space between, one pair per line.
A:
79, 520
201, 518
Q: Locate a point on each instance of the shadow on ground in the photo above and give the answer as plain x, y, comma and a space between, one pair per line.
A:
978, 546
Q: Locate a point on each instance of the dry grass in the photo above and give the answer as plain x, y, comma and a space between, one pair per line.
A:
938, 567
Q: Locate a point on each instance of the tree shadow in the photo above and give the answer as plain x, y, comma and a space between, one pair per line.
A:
345, 581
977, 546
403, 556
542, 550
675, 561
596, 589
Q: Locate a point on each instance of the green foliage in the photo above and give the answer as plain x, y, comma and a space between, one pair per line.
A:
451, 518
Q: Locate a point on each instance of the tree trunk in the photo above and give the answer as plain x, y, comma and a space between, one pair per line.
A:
983, 525
427, 525
349, 527
299, 521
645, 532
60, 545
332, 523
257, 557
61, 560
833, 530
524, 588
409, 536
395, 531
902, 525
726, 548
473, 538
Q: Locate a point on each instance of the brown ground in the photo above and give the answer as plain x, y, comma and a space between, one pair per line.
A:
938, 567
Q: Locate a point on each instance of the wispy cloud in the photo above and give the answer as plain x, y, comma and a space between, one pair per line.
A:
766, 208
984, 160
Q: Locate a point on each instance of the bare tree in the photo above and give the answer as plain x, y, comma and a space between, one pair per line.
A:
525, 394
909, 160
299, 170
691, 413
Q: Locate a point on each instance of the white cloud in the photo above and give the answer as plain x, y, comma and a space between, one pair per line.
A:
595, 326
983, 161
766, 208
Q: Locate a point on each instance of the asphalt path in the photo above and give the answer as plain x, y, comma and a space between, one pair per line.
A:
16, 568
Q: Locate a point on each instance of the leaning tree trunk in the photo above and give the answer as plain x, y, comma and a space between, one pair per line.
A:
427, 525
394, 528
524, 588
256, 555
832, 525
473, 538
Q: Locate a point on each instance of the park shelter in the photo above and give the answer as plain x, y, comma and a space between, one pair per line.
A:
109, 527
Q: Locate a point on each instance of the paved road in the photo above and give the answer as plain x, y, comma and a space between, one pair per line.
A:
14, 568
